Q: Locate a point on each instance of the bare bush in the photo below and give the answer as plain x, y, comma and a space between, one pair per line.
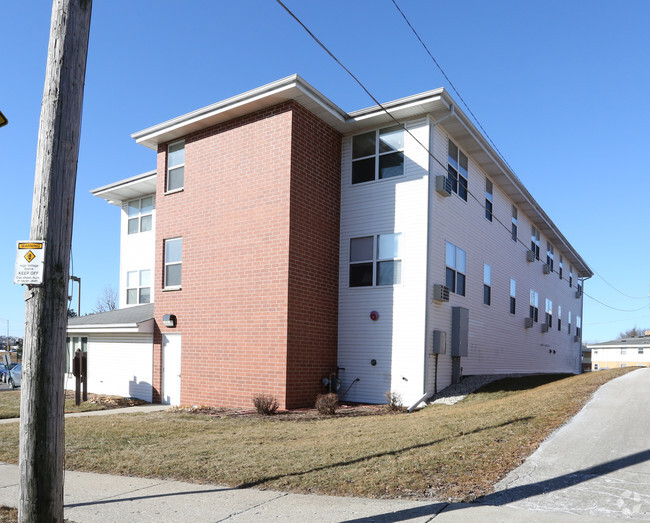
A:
265, 405
327, 403
394, 401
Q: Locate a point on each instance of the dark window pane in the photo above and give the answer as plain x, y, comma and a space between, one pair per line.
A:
452, 176
512, 305
460, 284
363, 170
462, 188
145, 223
363, 145
514, 232
361, 249
361, 274
462, 160
453, 154
488, 210
145, 295
487, 291
450, 280
391, 165
389, 272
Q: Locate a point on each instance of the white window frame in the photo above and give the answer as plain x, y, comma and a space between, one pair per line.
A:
142, 275
167, 264
455, 173
487, 284
489, 200
549, 313
550, 254
176, 167
559, 317
378, 154
455, 269
513, 296
534, 241
137, 217
378, 259
534, 305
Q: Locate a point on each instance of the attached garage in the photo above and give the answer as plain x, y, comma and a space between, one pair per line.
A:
119, 348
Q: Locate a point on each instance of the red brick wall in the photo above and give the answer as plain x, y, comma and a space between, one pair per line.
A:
236, 311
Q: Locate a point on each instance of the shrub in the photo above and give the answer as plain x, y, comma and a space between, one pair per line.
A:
394, 401
327, 403
265, 405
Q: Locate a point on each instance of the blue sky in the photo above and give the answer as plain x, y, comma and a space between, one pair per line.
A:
561, 88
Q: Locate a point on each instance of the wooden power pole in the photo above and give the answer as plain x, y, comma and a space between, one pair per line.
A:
42, 397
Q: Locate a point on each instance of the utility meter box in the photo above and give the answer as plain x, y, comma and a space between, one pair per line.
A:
439, 342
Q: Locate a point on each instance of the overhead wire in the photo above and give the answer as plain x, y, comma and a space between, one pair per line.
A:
403, 126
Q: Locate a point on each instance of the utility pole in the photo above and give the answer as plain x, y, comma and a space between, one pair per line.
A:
42, 399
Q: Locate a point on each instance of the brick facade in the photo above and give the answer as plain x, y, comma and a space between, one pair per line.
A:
259, 218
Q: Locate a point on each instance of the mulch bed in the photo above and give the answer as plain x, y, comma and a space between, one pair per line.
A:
109, 402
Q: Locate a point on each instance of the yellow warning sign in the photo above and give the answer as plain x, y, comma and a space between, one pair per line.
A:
30, 262
32, 245
29, 256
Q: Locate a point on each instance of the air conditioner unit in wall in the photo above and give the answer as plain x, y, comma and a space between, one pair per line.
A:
547, 268
440, 292
443, 185
530, 256
544, 327
528, 322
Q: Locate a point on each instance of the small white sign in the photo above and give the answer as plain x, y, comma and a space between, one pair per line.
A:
30, 260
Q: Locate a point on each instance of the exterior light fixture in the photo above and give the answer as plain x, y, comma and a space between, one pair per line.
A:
169, 320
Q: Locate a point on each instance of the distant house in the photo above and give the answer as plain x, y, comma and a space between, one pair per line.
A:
623, 352
283, 245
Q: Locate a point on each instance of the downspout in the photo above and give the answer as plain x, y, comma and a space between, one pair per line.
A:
432, 127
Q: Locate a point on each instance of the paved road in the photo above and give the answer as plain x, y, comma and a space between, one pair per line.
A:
596, 468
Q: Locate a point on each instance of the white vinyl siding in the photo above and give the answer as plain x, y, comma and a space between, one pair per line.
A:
396, 340
119, 366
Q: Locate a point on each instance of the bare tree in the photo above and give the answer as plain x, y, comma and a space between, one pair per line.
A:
107, 301
633, 333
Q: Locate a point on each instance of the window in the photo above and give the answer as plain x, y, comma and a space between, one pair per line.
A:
487, 284
375, 260
549, 313
514, 223
595, 351
569, 323
578, 326
534, 305
640, 350
570, 275
595, 366
377, 155
623, 351
138, 287
560, 272
513, 296
140, 215
455, 260
175, 166
534, 241
623, 364
559, 317
457, 168
489, 199
173, 262
549, 255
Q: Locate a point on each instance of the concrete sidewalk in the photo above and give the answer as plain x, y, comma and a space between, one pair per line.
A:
595, 468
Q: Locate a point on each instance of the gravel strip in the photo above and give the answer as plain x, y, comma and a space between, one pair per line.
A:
455, 393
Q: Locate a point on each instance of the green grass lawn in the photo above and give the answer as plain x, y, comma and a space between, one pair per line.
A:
441, 452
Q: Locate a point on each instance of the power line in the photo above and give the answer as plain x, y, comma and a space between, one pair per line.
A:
620, 292
452, 85
424, 147
614, 308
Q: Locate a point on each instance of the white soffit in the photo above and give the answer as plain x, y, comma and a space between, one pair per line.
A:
128, 189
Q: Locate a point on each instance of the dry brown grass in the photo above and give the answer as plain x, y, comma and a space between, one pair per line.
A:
442, 452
